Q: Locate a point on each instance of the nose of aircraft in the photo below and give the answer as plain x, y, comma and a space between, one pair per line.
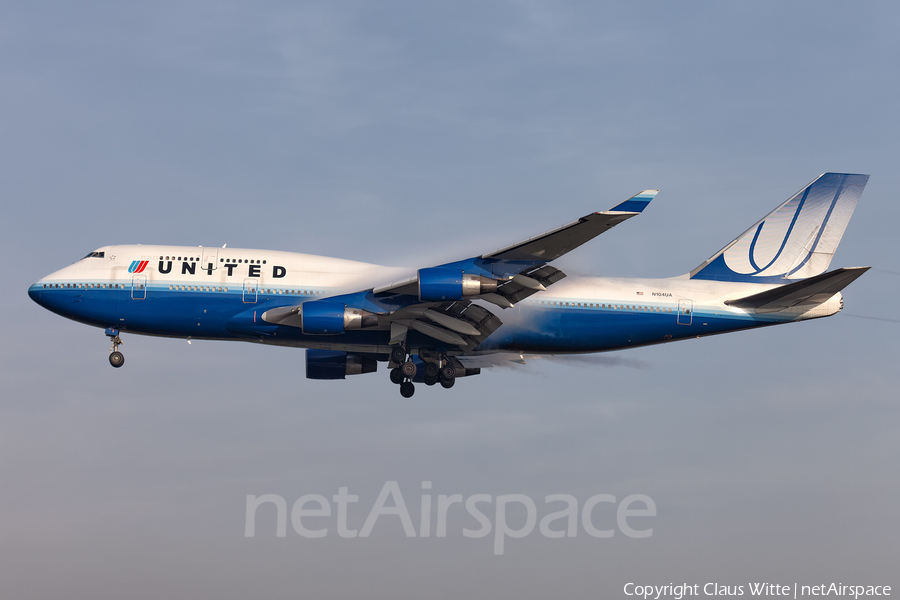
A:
34, 292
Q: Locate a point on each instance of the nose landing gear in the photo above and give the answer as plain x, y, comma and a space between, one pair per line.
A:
116, 358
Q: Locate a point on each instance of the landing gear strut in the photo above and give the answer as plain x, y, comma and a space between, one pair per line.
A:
403, 374
116, 358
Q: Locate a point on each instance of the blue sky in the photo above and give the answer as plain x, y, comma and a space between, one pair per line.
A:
404, 132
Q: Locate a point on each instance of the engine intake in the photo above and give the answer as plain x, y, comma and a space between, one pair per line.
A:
437, 284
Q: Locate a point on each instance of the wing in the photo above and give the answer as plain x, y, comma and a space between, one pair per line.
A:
524, 258
553, 244
437, 303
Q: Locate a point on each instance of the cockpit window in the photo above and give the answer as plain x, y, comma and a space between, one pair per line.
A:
95, 255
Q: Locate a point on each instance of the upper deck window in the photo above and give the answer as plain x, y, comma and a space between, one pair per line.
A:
95, 255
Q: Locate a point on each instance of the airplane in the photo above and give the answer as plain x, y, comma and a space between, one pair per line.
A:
435, 324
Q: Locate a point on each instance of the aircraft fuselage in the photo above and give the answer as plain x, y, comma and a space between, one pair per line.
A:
222, 293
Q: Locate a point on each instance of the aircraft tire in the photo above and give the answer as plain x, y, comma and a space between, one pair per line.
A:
448, 383
407, 389
398, 354
396, 376
431, 380
408, 369
116, 359
448, 372
432, 370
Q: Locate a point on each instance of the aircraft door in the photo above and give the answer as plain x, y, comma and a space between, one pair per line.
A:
139, 287
210, 259
251, 289
685, 310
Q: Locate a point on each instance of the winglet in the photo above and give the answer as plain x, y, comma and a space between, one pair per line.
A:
636, 203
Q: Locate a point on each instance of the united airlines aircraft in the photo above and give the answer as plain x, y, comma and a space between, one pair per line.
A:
437, 323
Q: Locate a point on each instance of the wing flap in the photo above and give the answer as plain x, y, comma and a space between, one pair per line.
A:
514, 290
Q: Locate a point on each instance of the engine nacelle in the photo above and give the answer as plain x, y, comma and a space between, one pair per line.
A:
323, 317
437, 284
331, 364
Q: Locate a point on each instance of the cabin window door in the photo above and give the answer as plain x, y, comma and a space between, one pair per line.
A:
685, 312
139, 287
251, 290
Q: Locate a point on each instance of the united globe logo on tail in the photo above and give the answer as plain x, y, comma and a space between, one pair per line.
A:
138, 266
795, 241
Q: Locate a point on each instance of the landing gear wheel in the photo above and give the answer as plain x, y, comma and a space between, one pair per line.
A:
448, 373
398, 354
407, 389
448, 383
431, 380
116, 359
432, 370
408, 369
396, 376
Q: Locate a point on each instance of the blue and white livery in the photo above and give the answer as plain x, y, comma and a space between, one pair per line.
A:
437, 323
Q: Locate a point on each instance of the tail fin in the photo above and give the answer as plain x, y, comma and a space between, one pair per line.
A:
796, 240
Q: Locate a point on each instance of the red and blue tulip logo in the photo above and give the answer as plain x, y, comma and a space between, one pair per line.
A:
138, 266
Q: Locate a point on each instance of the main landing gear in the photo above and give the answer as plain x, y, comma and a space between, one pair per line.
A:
441, 370
403, 374
116, 358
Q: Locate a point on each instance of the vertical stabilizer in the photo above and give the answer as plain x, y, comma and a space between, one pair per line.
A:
796, 240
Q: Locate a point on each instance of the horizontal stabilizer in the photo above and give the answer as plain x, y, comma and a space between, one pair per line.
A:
811, 292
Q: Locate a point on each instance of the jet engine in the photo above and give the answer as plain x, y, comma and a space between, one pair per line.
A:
437, 284
324, 317
321, 317
330, 364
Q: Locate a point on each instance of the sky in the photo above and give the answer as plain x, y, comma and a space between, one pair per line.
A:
403, 133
